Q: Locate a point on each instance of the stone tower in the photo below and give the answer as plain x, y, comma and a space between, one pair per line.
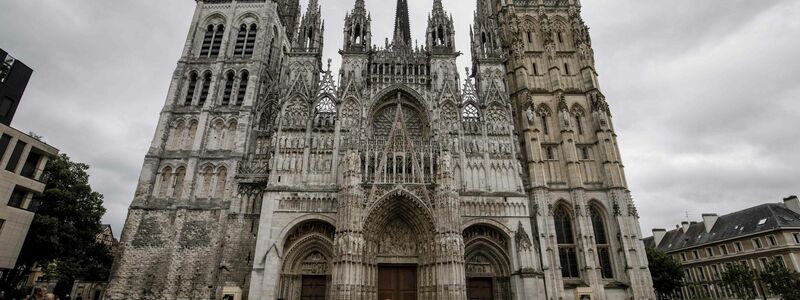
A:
271, 177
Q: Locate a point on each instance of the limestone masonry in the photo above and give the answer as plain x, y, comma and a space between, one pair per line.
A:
270, 177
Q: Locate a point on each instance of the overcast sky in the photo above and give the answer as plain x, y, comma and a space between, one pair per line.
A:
705, 94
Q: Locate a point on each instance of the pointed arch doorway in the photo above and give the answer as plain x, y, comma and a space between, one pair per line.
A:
400, 231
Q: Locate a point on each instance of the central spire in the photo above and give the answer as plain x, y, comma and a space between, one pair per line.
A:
402, 30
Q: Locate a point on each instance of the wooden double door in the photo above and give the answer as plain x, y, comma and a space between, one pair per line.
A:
397, 282
313, 288
480, 288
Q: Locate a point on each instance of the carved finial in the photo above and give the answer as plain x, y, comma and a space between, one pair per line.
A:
467, 69
329, 64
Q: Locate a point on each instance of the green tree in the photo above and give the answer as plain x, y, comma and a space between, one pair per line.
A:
62, 236
782, 281
666, 272
741, 280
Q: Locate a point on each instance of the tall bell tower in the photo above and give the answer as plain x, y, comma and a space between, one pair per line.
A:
587, 223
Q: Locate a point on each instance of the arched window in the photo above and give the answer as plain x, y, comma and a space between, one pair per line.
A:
238, 49
535, 69
222, 177
470, 113
310, 38
250, 43
230, 136
601, 240
166, 181
208, 38
242, 88
190, 136
180, 175
204, 91
216, 43
191, 89
579, 123
545, 125
357, 35
204, 184
560, 37
567, 253
245, 40
530, 37
566, 69
228, 92
175, 136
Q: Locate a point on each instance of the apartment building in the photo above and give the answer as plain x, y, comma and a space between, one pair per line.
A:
753, 237
22, 160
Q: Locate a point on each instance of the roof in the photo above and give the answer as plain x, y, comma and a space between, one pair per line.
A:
762, 218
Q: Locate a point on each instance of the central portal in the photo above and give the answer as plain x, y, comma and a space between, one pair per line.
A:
397, 282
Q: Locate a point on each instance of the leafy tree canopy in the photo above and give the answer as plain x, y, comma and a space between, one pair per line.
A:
666, 272
63, 234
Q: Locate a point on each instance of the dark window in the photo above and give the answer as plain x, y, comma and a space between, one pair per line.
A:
191, 89
772, 240
566, 69
4, 140
530, 37
216, 43
207, 39
545, 126
585, 153
723, 249
709, 252
242, 88
240, 39
226, 96
5, 106
5, 67
29, 168
2, 222
757, 244
550, 154
601, 239
17, 197
560, 37
535, 69
566, 243
250, 43
579, 124
204, 91
15, 156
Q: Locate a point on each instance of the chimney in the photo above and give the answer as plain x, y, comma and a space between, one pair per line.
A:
685, 226
792, 203
709, 220
658, 236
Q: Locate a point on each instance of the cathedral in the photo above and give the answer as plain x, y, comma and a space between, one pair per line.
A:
397, 177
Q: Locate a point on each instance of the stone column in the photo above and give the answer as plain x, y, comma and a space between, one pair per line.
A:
449, 242
349, 272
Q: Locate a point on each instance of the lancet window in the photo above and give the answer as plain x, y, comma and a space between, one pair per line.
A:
228, 92
601, 241
242, 88
212, 41
567, 250
191, 89
245, 40
205, 89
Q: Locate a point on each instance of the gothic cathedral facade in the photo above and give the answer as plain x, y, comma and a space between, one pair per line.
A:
272, 177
